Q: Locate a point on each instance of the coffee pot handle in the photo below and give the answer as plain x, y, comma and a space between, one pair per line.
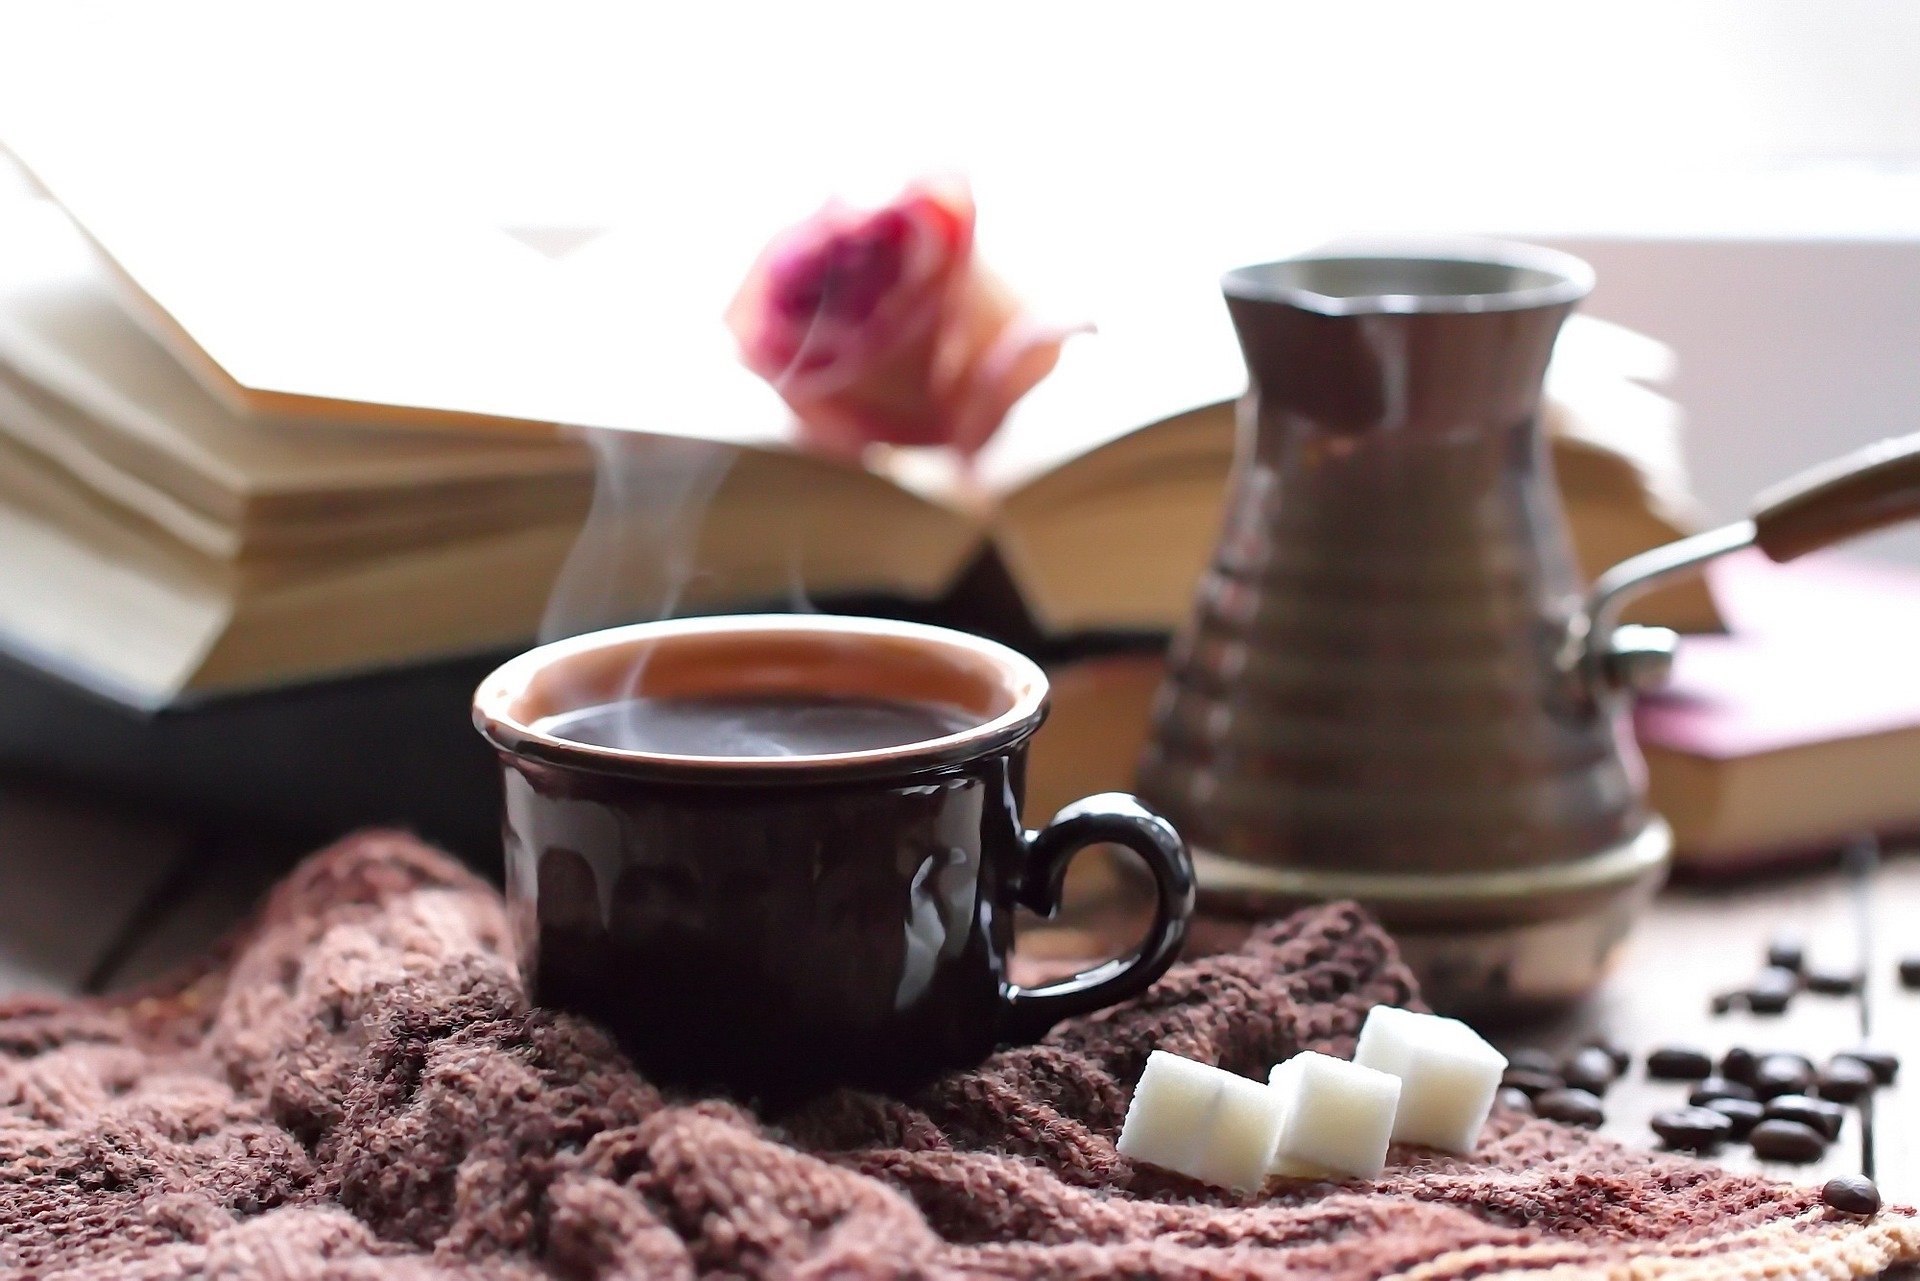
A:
1857, 493
1109, 818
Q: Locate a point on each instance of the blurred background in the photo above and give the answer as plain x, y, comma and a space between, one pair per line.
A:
1745, 175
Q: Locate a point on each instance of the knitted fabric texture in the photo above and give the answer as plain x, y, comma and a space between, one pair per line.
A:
357, 1087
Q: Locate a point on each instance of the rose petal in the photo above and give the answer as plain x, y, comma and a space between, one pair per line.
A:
891, 271
878, 327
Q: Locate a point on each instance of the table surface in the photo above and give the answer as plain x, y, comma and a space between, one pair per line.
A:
94, 899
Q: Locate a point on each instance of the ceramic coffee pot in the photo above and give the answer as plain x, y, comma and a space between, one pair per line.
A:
1394, 687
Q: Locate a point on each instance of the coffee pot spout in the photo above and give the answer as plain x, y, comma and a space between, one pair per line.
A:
1858, 493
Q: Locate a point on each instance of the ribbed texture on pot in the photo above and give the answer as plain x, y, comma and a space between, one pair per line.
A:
1369, 681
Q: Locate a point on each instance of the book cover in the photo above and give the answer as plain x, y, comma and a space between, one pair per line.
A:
1822, 649
1798, 731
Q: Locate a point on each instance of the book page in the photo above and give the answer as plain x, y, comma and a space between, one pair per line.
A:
1151, 358
61, 326
294, 283
306, 292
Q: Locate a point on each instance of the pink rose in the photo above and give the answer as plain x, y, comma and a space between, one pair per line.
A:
879, 327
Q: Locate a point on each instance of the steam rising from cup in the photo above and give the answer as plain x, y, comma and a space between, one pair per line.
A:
638, 550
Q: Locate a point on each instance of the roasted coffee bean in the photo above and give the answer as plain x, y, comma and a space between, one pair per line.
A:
1839, 981
1787, 1141
1744, 1113
1795, 1055
1771, 990
1622, 1059
1571, 1107
1787, 950
1718, 1087
1692, 1129
1819, 1113
1781, 1074
1852, 1194
1723, 1002
1515, 1100
1675, 1063
1737, 1064
1884, 1064
1531, 1084
1591, 1070
1846, 1080
1534, 1060
1910, 971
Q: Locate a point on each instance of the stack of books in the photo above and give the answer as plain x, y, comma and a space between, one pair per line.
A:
248, 583
161, 547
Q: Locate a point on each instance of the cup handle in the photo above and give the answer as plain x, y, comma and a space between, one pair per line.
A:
1119, 819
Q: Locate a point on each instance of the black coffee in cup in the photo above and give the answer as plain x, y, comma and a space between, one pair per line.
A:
758, 725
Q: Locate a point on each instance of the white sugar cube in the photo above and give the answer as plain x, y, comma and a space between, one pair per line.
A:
1198, 1120
1339, 1117
1448, 1075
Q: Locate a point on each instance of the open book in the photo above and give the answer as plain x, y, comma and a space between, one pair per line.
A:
141, 496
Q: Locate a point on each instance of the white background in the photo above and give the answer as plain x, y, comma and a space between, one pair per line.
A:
1746, 175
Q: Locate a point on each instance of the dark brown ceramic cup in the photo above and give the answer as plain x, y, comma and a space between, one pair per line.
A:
777, 925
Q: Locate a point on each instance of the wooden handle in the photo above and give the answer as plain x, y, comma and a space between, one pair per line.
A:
1856, 494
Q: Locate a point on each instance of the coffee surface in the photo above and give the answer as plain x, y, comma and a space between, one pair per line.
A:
757, 725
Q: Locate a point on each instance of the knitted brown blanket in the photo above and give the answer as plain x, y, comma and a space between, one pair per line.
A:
357, 1088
